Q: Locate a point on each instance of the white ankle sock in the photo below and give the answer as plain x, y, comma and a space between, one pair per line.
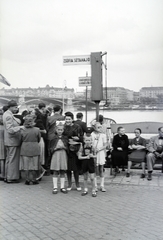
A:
62, 182
102, 182
55, 181
95, 182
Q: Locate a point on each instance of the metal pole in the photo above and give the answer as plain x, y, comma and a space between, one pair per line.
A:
106, 78
63, 105
97, 110
86, 110
63, 100
86, 107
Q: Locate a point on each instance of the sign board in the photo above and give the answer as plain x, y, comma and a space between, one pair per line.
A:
84, 81
76, 60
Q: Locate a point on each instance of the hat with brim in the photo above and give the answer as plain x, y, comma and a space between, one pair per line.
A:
72, 142
12, 103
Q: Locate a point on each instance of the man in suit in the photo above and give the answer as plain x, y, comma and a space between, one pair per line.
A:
51, 124
12, 140
155, 149
51, 121
79, 121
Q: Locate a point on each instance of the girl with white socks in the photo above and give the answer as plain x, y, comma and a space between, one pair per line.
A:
58, 150
99, 142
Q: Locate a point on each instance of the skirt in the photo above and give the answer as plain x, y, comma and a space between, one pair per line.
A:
59, 160
137, 156
29, 163
119, 158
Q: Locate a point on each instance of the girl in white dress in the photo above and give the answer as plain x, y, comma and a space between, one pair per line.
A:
99, 142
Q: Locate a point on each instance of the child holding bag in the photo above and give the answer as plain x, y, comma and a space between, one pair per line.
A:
99, 142
58, 150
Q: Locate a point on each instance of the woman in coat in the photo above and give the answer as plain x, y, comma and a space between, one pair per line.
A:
30, 150
73, 132
120, 149
138, 154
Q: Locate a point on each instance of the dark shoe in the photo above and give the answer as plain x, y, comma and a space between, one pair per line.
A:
142, 175
116, 170
55, 191
63, 190
84, 193
2, 179
47, 173
149, 176
127, 174
123, 170
69, 188
102, 189
96, 189
27, 182
35, 182
94, 194
12, 181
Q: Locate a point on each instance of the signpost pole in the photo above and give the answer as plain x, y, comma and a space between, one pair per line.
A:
86, 100
86, 106
97, 109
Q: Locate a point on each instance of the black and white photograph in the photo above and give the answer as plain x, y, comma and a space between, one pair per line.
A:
81, 119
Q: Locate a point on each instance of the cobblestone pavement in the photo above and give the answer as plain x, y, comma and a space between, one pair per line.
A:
131, 209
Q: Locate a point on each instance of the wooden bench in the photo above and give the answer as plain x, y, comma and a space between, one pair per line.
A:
149, 129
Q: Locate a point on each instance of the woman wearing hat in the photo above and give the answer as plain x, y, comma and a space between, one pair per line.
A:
12, 142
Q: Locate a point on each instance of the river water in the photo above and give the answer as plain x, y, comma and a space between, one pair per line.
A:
126, 116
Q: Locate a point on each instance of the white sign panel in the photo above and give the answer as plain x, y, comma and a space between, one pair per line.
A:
84, 81
76, 60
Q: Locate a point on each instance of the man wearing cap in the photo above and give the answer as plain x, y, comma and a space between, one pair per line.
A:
12, 142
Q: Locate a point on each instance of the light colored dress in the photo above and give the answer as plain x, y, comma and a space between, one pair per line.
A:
99, 140
59, 157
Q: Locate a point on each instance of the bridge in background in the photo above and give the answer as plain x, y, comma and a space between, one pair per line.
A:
47, 100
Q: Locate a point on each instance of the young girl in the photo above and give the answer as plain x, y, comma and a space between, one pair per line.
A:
58, 150
86, 155
99, 142
30, 150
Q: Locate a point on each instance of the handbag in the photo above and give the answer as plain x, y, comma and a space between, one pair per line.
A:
74, 146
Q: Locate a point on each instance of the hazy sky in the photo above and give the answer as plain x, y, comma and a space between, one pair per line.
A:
36, 34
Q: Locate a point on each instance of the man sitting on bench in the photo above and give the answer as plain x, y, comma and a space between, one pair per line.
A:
155, 149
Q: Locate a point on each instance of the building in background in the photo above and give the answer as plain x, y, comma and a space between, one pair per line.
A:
151, 92
113, 97
47, 91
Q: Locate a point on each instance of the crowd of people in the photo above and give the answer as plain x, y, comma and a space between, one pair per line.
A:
44, 142
41, 143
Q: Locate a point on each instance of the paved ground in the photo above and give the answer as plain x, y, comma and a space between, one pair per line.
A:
131, 209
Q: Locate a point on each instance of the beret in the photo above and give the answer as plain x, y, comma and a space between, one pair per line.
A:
12, 103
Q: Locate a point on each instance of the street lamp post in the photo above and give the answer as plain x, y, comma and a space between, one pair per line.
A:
63, 105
